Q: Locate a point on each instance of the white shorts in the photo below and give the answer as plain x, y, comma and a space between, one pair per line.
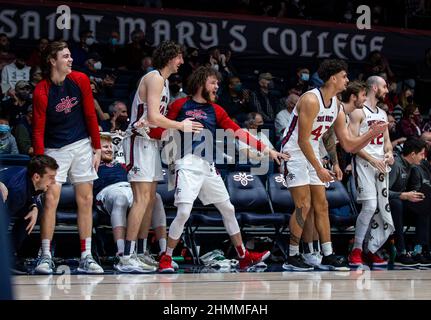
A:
299, 172
365, 179
202, 181
75, 161
142, 159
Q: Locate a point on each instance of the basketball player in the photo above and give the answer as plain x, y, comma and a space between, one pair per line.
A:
114, 196
351, 99
196, 175
65, 128
368, 163
141, 150
316, 111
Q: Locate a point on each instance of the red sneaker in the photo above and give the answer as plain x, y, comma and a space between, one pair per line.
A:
165, 264
252, 258
376, 260
355, 258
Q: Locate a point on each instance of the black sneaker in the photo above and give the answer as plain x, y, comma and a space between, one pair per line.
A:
297, 263
405, 260
423, 259
334, 263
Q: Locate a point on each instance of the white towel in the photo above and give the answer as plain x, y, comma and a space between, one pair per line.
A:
381, 225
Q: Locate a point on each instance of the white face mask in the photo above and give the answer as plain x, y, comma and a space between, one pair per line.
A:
89, 41
97, 65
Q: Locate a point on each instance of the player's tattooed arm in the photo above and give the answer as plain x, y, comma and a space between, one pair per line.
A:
330, 145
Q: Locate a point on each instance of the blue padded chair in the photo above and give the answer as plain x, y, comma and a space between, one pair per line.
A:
7, 160
338, 198
251, 201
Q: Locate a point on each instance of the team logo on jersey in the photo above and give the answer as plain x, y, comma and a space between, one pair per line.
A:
135, 169
66, 104
197, 114
291, 176
325, 118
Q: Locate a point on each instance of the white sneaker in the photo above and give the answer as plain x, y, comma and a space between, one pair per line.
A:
148, 259
313, 259
45, 265
129, 265
144, 266
89, 265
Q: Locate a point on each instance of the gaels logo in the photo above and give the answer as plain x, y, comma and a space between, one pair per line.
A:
197, 114
325, 118
66, 104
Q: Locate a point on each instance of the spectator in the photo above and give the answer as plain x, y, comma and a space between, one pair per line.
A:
191, 63
35, 57
410, 126
254, 124
282, 118
35, 76
263, 100
81, 50
101, 115
16, 107
7, 141
401, 197
23, 132
6, 56
394, 135
14, 72
176, 88
235, 99
112, 51
136, 50
301, 82
406, 97
377, 64
119, 118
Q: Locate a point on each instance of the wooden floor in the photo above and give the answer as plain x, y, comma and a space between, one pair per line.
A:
400, 284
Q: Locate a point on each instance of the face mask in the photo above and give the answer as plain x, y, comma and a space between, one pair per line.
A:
238, 87
20, 65
97, 65
89, 41
4, 128
259, 128
409, 99
23, 95
271, 85
174, 88
113, 41
122, 119
305, 76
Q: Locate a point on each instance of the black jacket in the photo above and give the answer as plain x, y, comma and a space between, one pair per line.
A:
399, 177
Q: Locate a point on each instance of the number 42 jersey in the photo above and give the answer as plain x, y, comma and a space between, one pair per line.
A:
323, 121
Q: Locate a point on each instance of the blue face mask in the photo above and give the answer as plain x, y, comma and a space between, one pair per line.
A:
4, 128
238, 87
305, 76
114, 41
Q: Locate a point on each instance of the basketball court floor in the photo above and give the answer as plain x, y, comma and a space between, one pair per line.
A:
211, 285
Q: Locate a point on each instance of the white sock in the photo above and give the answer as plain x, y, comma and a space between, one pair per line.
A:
85, 247
120, 246
169, 251
310, 247
293, 250
327, 248
145, 245
46, 247
162, 244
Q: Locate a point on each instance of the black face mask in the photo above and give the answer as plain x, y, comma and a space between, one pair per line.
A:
174, 88
23, 95
20, 65
122, 119
409, 99
259, 128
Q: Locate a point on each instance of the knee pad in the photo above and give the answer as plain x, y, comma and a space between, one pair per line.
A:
119, 210
227, 211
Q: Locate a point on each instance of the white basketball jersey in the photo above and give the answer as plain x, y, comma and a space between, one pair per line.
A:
323, 121
140, 109
376, 147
